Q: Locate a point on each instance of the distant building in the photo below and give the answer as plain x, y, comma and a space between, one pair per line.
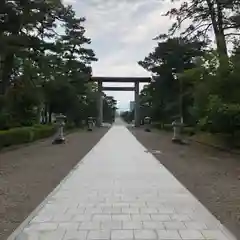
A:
131, 107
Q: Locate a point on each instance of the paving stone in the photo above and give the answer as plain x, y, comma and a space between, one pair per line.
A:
166, 210
168, 235
121, 217
160, 218
132, 225
153, 225
138, 205
27, 236
102, 217
148, 210
90, 225
69, 225
75, 235
121, 204
111, 210
145, 234
174, 225
62, 217
187, 210
122, 235
141, 217
180, 217
42, 226
105, 205
93, 210
99, 235
53, 235
121, 191
76, 210
42, 219
82, 218
130, 210
214, 235
111, 225
196, 225
191, 234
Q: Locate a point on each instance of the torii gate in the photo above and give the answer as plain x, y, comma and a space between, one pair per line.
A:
135, 80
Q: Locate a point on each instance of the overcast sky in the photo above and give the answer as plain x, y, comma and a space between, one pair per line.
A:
121, 32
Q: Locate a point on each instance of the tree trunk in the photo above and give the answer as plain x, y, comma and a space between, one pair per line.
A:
220, 37
50, 116
45, 113
7, 66
217, 23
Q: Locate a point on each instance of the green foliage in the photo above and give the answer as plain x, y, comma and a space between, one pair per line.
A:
192, 80
42, 70
22, 135
127, 116
205, 16
216, 94
168, 96
54, 92
22, 103
109, 109
221, 117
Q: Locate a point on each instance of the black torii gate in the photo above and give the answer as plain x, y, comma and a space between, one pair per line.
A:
135, 80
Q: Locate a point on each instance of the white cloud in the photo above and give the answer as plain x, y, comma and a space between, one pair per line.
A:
147, 29
122, 33
69, 2
108, 17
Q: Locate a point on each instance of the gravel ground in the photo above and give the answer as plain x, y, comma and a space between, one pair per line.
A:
28, 174
212, 176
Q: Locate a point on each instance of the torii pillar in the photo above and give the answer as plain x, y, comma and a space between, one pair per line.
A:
100, 104
137, 104
136, 81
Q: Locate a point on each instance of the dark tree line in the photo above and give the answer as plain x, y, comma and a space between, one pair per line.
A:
196, 77
44, 70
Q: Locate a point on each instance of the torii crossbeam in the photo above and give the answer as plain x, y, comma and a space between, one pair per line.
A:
135, 80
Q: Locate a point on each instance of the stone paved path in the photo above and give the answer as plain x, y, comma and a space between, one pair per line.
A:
120, 191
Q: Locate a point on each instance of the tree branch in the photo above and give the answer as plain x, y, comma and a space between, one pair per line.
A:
208, 25
232, 34
231, 27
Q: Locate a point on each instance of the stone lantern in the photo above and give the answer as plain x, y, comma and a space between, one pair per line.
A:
60, 122
177, 127
90, 123
147, 122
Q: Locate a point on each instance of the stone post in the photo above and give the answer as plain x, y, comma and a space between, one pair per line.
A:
100, 105
177, 125
60, 122
147, 122
137, 105
90, 123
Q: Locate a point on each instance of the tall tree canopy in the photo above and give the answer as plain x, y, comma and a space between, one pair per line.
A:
42, 68
219, 16
199, 78
168, 59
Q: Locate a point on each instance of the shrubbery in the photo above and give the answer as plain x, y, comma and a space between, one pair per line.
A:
127, 116
22, 135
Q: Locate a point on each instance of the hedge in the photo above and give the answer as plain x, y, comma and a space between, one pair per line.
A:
22, 135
